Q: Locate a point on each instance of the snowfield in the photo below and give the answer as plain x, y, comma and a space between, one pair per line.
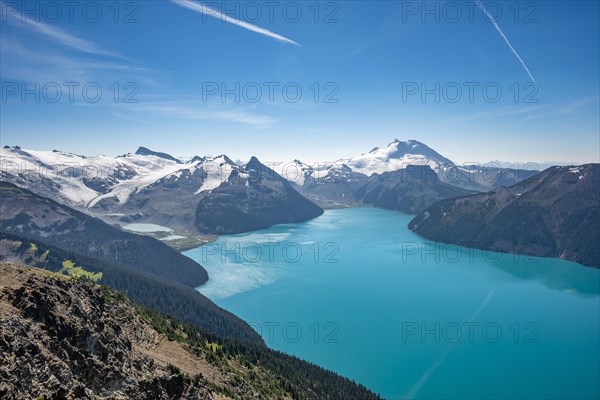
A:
84, 181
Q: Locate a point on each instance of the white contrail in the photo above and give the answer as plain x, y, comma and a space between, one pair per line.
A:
505, 38
206, 10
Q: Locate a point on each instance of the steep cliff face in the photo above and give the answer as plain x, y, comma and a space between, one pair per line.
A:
64, 338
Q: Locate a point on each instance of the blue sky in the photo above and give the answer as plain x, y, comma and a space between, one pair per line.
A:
369, 72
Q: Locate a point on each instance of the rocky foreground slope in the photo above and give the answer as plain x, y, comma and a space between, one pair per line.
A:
63, 338
553, 214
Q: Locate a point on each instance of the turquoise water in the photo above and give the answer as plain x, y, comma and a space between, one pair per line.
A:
356, 292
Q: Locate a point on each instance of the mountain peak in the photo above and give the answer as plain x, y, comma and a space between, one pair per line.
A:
196, 159
411, 142
254, 160
414, 147
144, 151
397, 155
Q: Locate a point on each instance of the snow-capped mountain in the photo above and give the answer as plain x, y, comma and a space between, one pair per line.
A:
83, 182
400, 155
155, 187
301, 174
317, 179
397, 155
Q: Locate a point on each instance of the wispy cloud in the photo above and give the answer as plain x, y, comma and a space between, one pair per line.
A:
129, 118
576, 105
61, 37
30, 54
198, 111
38, 64
571, 108
206, 10
505, 39
526, 112
508, 111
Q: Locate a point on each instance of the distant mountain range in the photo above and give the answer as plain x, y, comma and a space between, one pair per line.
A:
214, 195
538, 166
400, 155
553, 214
376, 177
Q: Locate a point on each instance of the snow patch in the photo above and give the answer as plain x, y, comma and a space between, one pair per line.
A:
575, 170
218, 170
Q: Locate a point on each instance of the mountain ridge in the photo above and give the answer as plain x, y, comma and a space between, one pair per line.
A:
553, 214
144, 151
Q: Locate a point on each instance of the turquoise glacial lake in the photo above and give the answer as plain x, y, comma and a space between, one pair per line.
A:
356, 292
